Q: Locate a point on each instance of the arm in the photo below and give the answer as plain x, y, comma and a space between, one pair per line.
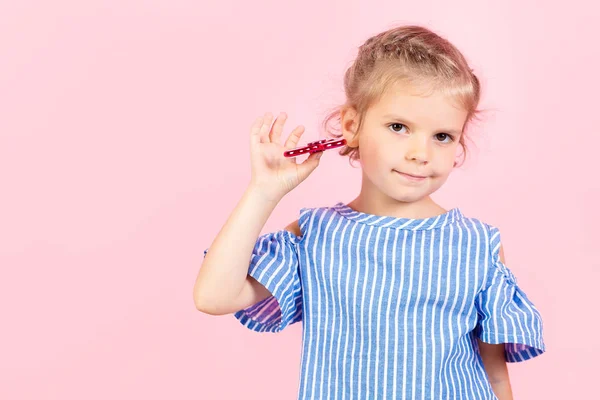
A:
223, 284
494, 362
496, 369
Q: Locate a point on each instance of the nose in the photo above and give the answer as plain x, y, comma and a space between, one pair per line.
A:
417, 150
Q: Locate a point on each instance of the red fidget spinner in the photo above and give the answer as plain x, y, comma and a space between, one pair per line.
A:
315, 147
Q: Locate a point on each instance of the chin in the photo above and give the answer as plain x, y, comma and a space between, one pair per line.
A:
410, 198
408, 194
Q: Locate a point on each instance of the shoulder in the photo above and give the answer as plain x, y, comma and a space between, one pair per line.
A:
490, 233
496, 264
294, 228
300, 226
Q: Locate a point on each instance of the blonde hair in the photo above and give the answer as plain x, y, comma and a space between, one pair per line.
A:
411, 54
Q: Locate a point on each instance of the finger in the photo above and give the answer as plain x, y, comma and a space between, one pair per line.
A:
294, 138
255, 130
275, 135
266, 128
307, 166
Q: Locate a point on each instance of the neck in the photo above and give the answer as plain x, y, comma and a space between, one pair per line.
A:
386, 206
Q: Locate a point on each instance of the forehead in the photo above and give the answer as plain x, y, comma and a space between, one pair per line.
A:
421, 106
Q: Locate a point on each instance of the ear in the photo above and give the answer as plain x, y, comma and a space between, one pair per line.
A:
349, 123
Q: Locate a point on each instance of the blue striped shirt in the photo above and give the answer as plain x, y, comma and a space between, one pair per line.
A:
392, 307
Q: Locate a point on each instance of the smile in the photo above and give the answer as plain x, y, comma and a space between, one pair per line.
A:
412, 178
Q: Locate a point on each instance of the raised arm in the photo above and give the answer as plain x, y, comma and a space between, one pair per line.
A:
223, 285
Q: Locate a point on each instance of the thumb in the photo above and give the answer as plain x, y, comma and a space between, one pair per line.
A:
308, 166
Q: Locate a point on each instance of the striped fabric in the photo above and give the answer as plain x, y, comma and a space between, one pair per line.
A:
392, 307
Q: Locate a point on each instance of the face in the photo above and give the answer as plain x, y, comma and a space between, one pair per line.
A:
408, 143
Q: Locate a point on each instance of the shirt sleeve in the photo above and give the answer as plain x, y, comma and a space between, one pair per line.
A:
506, 315
274, 263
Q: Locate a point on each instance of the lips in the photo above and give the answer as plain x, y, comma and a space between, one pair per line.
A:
411, 176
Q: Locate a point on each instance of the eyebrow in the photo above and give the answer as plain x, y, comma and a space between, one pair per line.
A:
397, 117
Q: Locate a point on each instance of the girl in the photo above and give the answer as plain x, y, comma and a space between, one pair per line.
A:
399, 297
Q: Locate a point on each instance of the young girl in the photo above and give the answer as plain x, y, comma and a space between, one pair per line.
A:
399, 298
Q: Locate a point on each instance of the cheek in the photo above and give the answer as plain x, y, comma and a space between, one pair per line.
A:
444, 161
370, 158
372, 151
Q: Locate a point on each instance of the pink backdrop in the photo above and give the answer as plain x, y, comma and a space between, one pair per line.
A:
124, 146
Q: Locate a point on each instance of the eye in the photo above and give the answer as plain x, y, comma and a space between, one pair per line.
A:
444, 138
397, 125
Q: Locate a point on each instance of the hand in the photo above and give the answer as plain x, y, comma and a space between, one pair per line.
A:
273, 174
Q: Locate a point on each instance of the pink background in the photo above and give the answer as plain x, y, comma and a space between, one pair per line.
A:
124, 146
